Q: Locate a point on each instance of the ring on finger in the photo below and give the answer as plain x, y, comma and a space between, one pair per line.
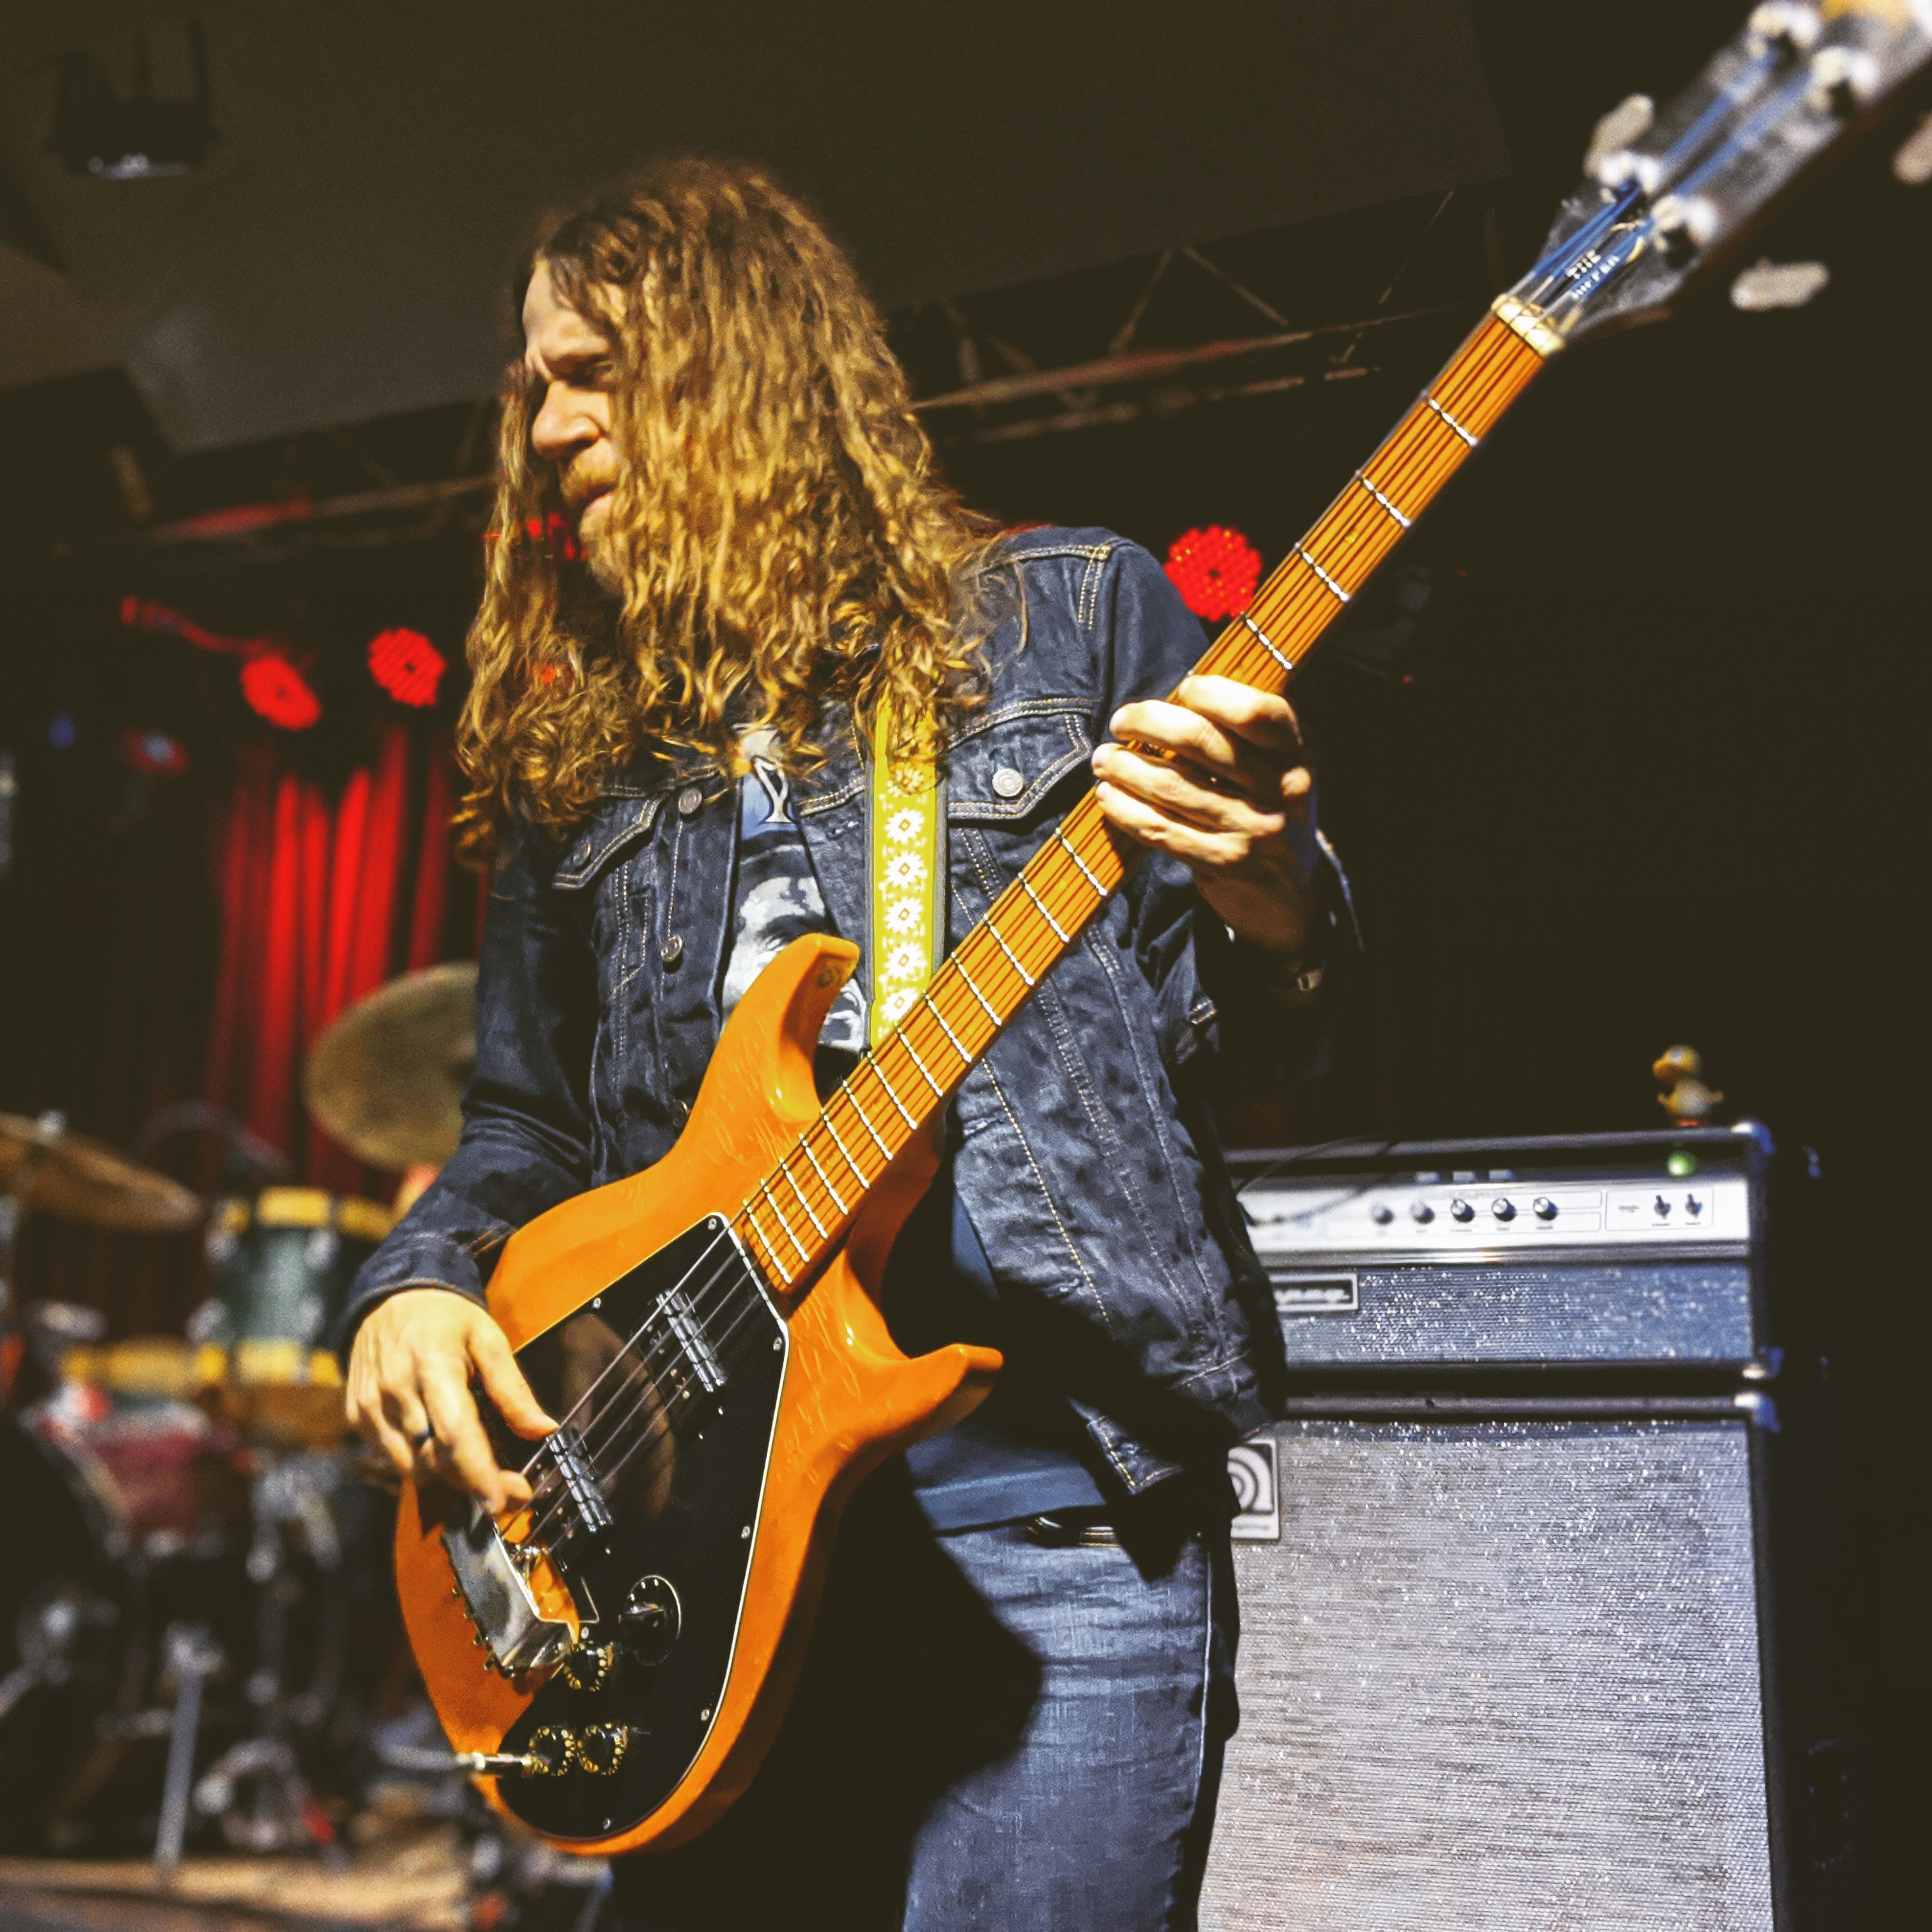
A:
422, 1440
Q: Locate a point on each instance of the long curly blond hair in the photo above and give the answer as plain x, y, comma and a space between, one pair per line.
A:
784, 541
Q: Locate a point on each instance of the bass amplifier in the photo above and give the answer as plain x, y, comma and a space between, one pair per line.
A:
1504, 1569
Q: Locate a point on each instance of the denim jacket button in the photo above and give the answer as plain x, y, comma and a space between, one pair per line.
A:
1008, 783
688, 801
672, 950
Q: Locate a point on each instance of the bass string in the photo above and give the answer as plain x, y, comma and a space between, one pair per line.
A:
656, 1429
1486, 373
722, 1239
637, 1370
662, 1423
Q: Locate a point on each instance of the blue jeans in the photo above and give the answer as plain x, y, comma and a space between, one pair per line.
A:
1010, 1728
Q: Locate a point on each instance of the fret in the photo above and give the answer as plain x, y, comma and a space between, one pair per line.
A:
959, 967
1328, 581
751, 1222
886, 1151
1026, 883
1471, 440
879, 1074
818, 1226
905, 1040
845, 1154
1031, 981
1267, 644
1099, 890
805, 1147
951, 1038
1403, 522
778, 1215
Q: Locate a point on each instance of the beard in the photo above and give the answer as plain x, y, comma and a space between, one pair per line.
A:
600, 556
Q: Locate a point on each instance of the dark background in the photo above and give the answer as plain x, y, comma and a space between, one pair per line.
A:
1648, 773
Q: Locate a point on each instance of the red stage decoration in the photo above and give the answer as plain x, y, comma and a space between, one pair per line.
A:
407, 665
276, 689
1215, 570
154, 752
325, 894
270, 682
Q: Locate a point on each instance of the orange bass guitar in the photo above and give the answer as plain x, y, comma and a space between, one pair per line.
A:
613, 1660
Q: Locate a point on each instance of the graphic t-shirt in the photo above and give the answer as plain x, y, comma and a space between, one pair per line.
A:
1021, 1453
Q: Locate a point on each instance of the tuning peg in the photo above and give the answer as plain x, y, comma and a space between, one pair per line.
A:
1683, 224
1788, 25
1912, 163
1842, 80
1767, 285
1629, 121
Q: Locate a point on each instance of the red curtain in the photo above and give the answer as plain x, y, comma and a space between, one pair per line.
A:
321, 900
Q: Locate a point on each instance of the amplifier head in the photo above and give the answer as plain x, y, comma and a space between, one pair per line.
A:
1592, 1252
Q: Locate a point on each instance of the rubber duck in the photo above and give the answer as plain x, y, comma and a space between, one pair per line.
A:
1679, 1070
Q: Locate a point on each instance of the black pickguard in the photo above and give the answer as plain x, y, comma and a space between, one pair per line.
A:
685, 1508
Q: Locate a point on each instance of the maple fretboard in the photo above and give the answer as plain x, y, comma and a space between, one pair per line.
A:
795, 1220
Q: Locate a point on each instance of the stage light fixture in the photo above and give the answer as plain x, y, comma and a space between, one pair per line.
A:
1215, 570
407, 665
96, 132
279, 692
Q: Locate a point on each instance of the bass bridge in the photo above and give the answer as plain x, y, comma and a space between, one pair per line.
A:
504, 1586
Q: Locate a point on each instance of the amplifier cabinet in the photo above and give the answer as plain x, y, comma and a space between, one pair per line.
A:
1500, 1671
1505, 1574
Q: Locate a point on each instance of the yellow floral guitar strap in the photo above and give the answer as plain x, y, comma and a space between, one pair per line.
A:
908, 904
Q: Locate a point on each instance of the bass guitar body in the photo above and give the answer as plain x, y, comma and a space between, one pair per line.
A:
615, 1658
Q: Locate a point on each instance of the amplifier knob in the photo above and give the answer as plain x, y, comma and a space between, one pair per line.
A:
1504, 1210
1423, 1212
1544, 1208
1460, 1210
1381, 1213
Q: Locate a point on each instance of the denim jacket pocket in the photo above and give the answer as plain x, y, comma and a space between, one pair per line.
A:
612, 829
1002, 766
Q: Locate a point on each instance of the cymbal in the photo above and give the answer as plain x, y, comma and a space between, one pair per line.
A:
386, 1079
82, 1179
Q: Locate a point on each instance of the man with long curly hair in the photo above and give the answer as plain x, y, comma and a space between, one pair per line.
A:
1012, 1711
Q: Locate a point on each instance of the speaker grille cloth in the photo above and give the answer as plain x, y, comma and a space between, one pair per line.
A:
1498, 1675
1665, 1311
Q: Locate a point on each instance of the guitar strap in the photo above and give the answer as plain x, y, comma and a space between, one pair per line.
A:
908, 903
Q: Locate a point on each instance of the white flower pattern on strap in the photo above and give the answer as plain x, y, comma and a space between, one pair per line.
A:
904, 869
902, 826
902, 916
905, 962
899, 1003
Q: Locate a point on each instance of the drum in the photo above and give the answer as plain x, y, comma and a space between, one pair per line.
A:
281, 1264
142, 1519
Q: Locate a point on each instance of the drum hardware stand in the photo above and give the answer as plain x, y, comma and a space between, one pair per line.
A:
46, 1639
284, 1813
192, 1658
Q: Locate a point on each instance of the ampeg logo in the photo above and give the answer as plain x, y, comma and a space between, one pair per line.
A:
1251, 1468
1314, 1294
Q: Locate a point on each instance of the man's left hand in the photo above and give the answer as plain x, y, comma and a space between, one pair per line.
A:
1215, 776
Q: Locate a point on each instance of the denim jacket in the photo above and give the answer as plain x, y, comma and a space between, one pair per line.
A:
1082, 1145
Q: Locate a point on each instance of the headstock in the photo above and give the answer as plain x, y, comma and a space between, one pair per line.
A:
1670, 196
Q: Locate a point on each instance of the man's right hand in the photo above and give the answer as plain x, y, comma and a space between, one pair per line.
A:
410, 1375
